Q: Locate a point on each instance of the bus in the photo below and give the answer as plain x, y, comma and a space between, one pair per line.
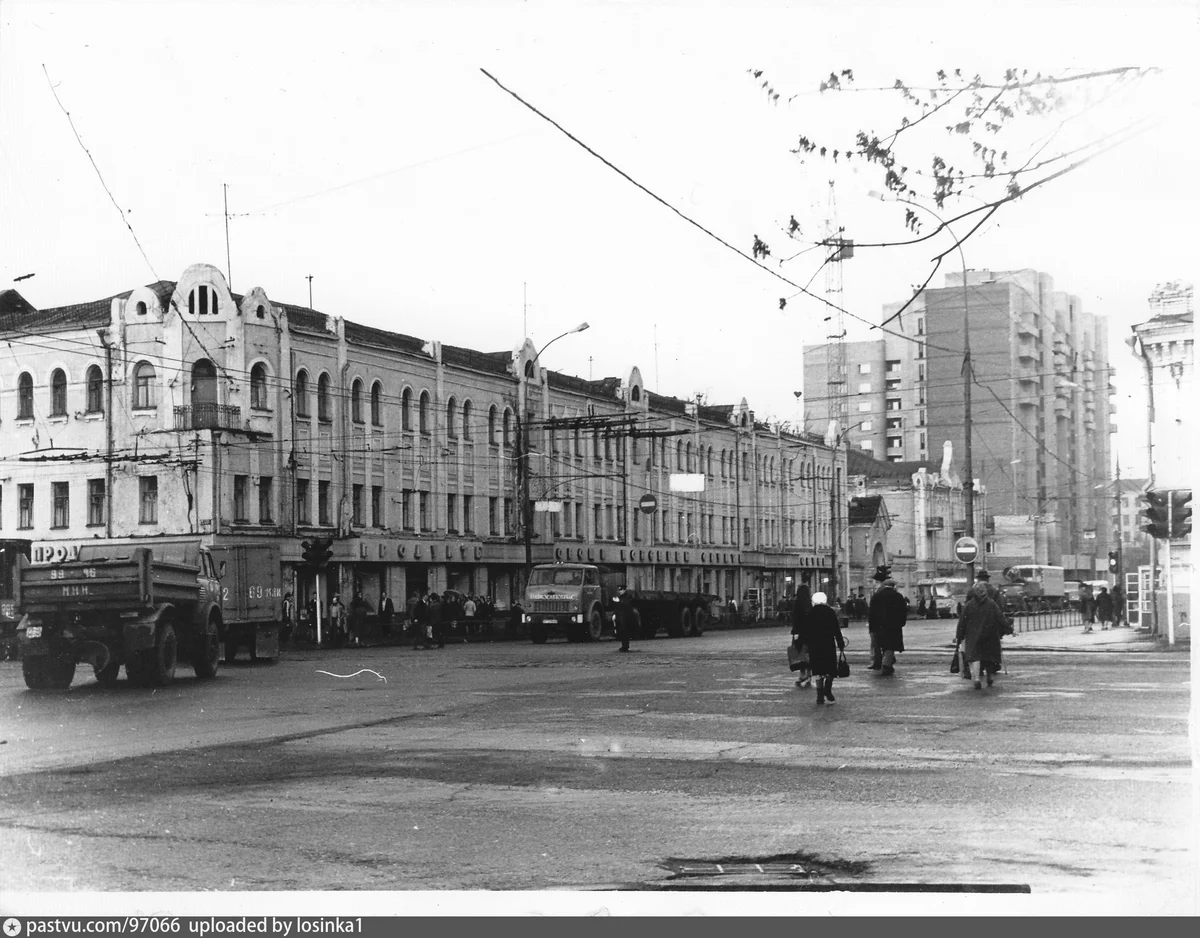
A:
9, 549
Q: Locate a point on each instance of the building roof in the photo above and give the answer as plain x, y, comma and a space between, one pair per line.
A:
864, 509
87, 315
861, 464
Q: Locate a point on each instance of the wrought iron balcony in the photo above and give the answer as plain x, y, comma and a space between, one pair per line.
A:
208, 417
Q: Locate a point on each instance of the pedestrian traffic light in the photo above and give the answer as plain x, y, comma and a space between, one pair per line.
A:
1181, 513
1114, 563
1154, 515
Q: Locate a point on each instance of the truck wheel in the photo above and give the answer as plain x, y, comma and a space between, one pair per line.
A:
699, 621
595, 626
206, 657
537, 634
155, 667
685, 624
107, 675
48, 672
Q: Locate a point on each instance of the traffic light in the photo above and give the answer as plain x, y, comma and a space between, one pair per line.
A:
1181, 513
317, 552
1114, 562
1154, 515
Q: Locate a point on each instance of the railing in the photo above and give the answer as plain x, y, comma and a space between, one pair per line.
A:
207, 417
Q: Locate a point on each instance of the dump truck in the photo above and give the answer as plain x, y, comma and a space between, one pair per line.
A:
144, 608
576, 600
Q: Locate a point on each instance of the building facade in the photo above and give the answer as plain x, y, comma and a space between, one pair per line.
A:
182, 408
1040, 408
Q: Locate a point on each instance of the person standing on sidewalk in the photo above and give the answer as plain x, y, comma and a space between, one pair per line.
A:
1118, 598
386, 613
824, 642
1104, 608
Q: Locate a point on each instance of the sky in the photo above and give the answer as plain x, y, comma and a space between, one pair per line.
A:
362, 144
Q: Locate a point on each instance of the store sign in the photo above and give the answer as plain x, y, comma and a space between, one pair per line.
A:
650, 555
439, 551
53, 552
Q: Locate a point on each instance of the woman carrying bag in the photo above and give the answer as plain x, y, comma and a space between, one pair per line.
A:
825, 644
801, 610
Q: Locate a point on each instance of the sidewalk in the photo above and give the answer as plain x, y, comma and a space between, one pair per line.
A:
1073, 638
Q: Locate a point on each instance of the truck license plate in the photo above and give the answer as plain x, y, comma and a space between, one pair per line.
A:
549, 621
34, 631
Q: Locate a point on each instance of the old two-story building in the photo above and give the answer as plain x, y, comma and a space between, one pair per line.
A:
183, 408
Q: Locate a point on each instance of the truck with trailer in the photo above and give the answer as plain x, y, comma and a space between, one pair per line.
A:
576, 600
145, 606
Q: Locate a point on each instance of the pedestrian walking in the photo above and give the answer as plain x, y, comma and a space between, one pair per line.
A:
624, 616
980, 628
358, 618
1087, 606
825, 641
1104, 608
886, 618
801, 611
386, 613
422, 635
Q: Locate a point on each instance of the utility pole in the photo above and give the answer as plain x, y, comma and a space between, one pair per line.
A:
310, 276
228, 265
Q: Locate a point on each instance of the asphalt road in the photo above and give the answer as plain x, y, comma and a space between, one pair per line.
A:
689, 764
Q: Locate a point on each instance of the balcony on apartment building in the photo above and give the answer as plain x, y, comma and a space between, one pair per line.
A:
1027, 324
208, 417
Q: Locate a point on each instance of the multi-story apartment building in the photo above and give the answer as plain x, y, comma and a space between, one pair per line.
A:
182, 408
1127, 535
1040, 409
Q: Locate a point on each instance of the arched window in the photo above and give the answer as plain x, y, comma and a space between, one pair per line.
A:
423, 415
323, 411
529, 369
95, 390
356, 401
492, 425
377, 404
508, 415
145, 387
258, 387
25, 396
141, 308
451, 413
199, 301
691, 466
679, 463
406, 409
58, 393
300, 393
466, 420
636, 394
708, 468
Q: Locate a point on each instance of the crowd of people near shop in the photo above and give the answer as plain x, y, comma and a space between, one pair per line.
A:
426, 619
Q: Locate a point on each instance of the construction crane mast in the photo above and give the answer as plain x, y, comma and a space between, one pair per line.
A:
837, 249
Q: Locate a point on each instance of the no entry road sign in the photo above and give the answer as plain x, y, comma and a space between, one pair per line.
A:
648, 503
966, 549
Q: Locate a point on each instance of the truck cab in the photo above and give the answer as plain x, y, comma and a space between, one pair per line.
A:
566, 597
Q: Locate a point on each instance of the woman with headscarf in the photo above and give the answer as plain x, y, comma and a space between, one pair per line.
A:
801, 609
979, 629
824, 642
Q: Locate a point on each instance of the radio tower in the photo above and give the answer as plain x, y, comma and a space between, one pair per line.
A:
837, 249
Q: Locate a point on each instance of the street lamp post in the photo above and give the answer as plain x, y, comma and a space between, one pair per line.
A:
968, 467
522, 461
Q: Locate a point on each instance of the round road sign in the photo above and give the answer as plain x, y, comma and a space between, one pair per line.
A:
966, 549
648, 503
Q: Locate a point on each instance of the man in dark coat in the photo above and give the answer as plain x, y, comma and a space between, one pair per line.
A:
885, 619
386, 612
420, 618
623, 617
1104, 608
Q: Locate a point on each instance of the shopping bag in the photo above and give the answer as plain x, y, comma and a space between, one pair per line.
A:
843, 666
954, 665
796, 659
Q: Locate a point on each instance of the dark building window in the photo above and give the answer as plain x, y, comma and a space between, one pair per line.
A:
240, 484
266, 497
302, 510
377, 404
58, 393
60, 497
323, 411
25, 505
301, 393
323, 503
95, 390
148, 500
25, 396
96, 502
258, 387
